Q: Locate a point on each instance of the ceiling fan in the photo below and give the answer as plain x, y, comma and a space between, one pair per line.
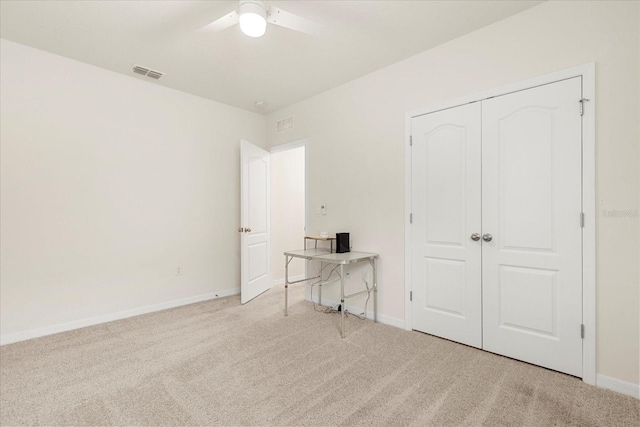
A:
253, 16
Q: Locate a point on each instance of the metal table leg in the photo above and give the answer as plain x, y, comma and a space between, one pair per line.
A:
286, 285
342, 280
287, 282
320, 287
375, 290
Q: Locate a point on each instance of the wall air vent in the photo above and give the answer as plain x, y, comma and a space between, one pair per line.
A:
140, 70
147, 72
154, 74
284, 124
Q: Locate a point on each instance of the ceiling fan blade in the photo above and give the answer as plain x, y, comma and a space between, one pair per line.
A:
220, 24
286, 19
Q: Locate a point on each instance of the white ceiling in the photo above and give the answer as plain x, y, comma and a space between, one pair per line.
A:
281, 68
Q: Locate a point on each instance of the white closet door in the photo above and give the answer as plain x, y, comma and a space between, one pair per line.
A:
446, 266
532, 267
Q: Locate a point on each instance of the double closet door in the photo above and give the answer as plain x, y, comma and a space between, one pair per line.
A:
496, 233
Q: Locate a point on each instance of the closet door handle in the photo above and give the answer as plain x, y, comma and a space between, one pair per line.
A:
475, 237
487, 237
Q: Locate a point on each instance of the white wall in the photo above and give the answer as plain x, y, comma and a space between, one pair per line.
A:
357, 152
108, 183
287, 210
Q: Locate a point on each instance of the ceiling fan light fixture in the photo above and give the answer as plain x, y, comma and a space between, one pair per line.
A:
252, 18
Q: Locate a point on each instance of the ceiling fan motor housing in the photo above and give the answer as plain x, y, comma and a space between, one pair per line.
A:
252, 17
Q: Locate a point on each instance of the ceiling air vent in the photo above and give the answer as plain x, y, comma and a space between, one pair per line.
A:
147, 72
284, 124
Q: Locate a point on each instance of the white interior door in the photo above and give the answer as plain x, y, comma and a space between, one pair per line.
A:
446, 197
531, 205
255, 222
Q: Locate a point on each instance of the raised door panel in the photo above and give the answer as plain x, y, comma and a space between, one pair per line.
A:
528, 300
258, 195
444, 159
526, 179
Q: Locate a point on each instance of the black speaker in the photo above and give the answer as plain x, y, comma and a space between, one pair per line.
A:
342, 243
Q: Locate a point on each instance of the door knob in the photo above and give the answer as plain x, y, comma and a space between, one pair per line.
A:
475, 237
487, 237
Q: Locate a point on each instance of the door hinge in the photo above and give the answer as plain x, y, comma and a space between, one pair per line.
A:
410, 295
410, 140
582, 101
582, 331
582, 219
410, 218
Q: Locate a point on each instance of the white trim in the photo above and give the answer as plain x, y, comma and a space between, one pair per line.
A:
407, 226
581, 70
589, 231
587, 72
289, 145
96, 320
630, 389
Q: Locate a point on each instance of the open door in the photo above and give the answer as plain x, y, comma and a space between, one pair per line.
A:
255, 225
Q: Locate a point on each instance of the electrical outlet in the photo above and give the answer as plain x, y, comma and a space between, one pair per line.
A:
179, 270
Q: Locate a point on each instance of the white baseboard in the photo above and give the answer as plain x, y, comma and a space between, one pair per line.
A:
357, 310
90, 321
630, 389
278, 282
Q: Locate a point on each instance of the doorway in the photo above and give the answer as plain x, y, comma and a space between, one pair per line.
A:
288, 207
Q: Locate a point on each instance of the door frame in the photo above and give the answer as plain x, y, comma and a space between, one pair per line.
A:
587, 72
304, 142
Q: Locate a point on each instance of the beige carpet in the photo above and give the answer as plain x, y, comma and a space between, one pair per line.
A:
220, 363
